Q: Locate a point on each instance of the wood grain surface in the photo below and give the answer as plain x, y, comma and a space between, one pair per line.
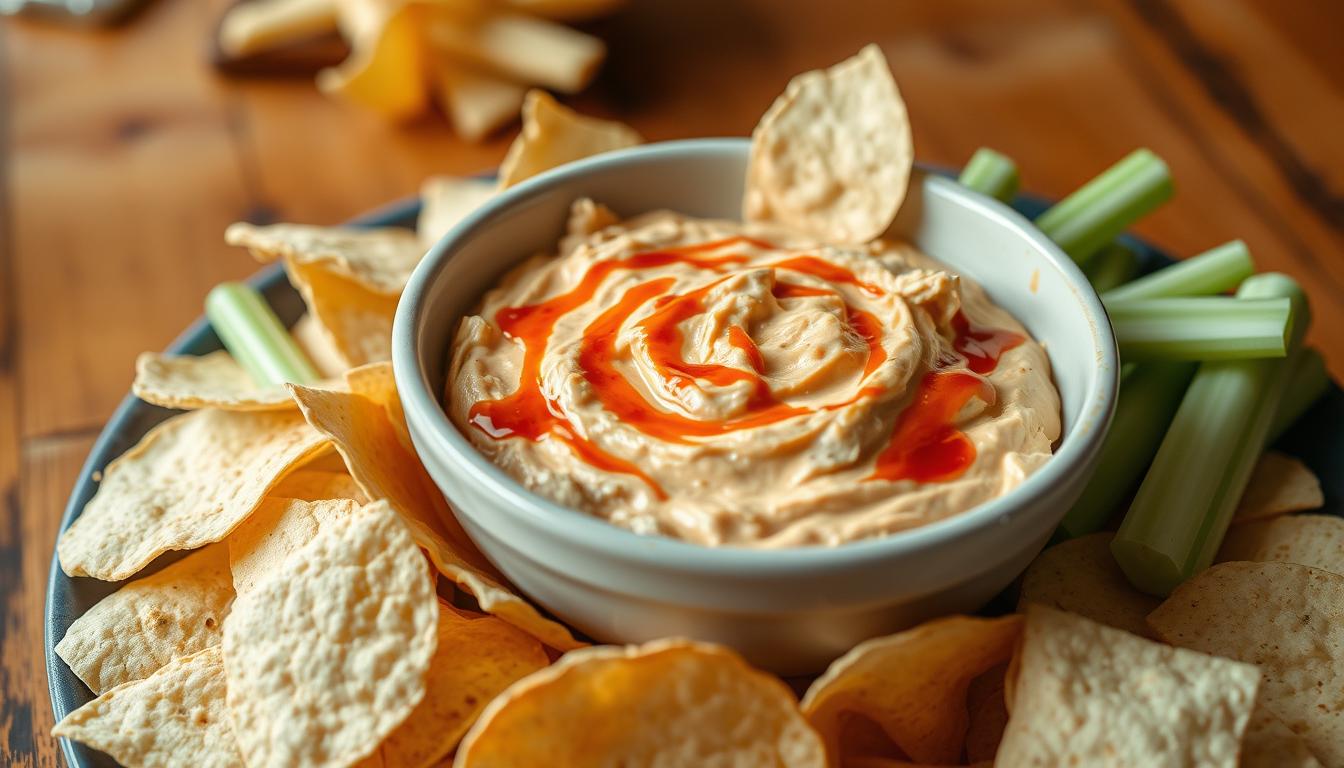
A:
124, 156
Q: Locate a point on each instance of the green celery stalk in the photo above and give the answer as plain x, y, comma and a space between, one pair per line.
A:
1149, 397
1085, 221
1211, 272
1112, 267
254, 336
1308, 382
1201, 328
1184, 505
991, 173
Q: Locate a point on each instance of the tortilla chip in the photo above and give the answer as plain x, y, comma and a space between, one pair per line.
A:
380, 260
1088, 694
476, 659
328, 655
317, 344
668, 702
1279, 484
279, 528
326, 461
1287, 619
912, 684
386, 69
134, 631
1268, 743
255, 27
174, 717
553, 135
832, 155
215, 380
586, 218
349, 278
187, 483
1313, 540
369, 430
987, 706
445, 200
1081, 576
318, 484
477, 103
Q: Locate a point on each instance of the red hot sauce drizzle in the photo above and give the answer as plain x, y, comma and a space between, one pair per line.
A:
925, 444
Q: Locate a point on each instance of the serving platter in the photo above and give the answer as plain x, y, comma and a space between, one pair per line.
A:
1316, 439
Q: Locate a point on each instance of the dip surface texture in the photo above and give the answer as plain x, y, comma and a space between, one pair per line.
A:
733, 384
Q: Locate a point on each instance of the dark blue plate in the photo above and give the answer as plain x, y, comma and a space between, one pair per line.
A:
1316, 439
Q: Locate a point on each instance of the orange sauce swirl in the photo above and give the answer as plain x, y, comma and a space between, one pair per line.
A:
925, 445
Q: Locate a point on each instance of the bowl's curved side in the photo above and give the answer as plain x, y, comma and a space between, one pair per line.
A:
541, 545
68, 598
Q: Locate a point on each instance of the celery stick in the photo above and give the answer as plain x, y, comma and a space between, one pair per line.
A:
1112, 267
254, 336
1149, 396
1182, 509
990, 173
1307, 383
1085, 221
1213, 271
1201, 328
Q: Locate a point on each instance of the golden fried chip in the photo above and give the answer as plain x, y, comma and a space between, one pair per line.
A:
1280, 484
380, 260
279, 528
187, 483
215, 380
1268, 743
476, 659
369, 430
318, 484
832, 155
1088, 694
521, 48
385, 70
477, 103
328, 654
868, 761
255, 26
1082, 576
912, 684
553, 135
586, 218
350, 279
988, 710
1314, 540
445, 200
1287, 619
319, 347
174, 717
666, 703
134, 631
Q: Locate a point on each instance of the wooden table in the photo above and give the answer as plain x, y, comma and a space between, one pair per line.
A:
125, 156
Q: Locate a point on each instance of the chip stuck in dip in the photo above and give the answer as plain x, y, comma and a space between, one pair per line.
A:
796, 379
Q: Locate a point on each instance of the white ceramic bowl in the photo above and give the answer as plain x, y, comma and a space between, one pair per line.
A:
791, 610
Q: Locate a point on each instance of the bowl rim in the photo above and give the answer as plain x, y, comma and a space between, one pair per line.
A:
435, 434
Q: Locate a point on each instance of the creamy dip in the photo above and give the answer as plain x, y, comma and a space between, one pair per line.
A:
733, 384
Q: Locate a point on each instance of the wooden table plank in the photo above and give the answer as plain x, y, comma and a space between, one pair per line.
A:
123, 177
1256, 180
50, 467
